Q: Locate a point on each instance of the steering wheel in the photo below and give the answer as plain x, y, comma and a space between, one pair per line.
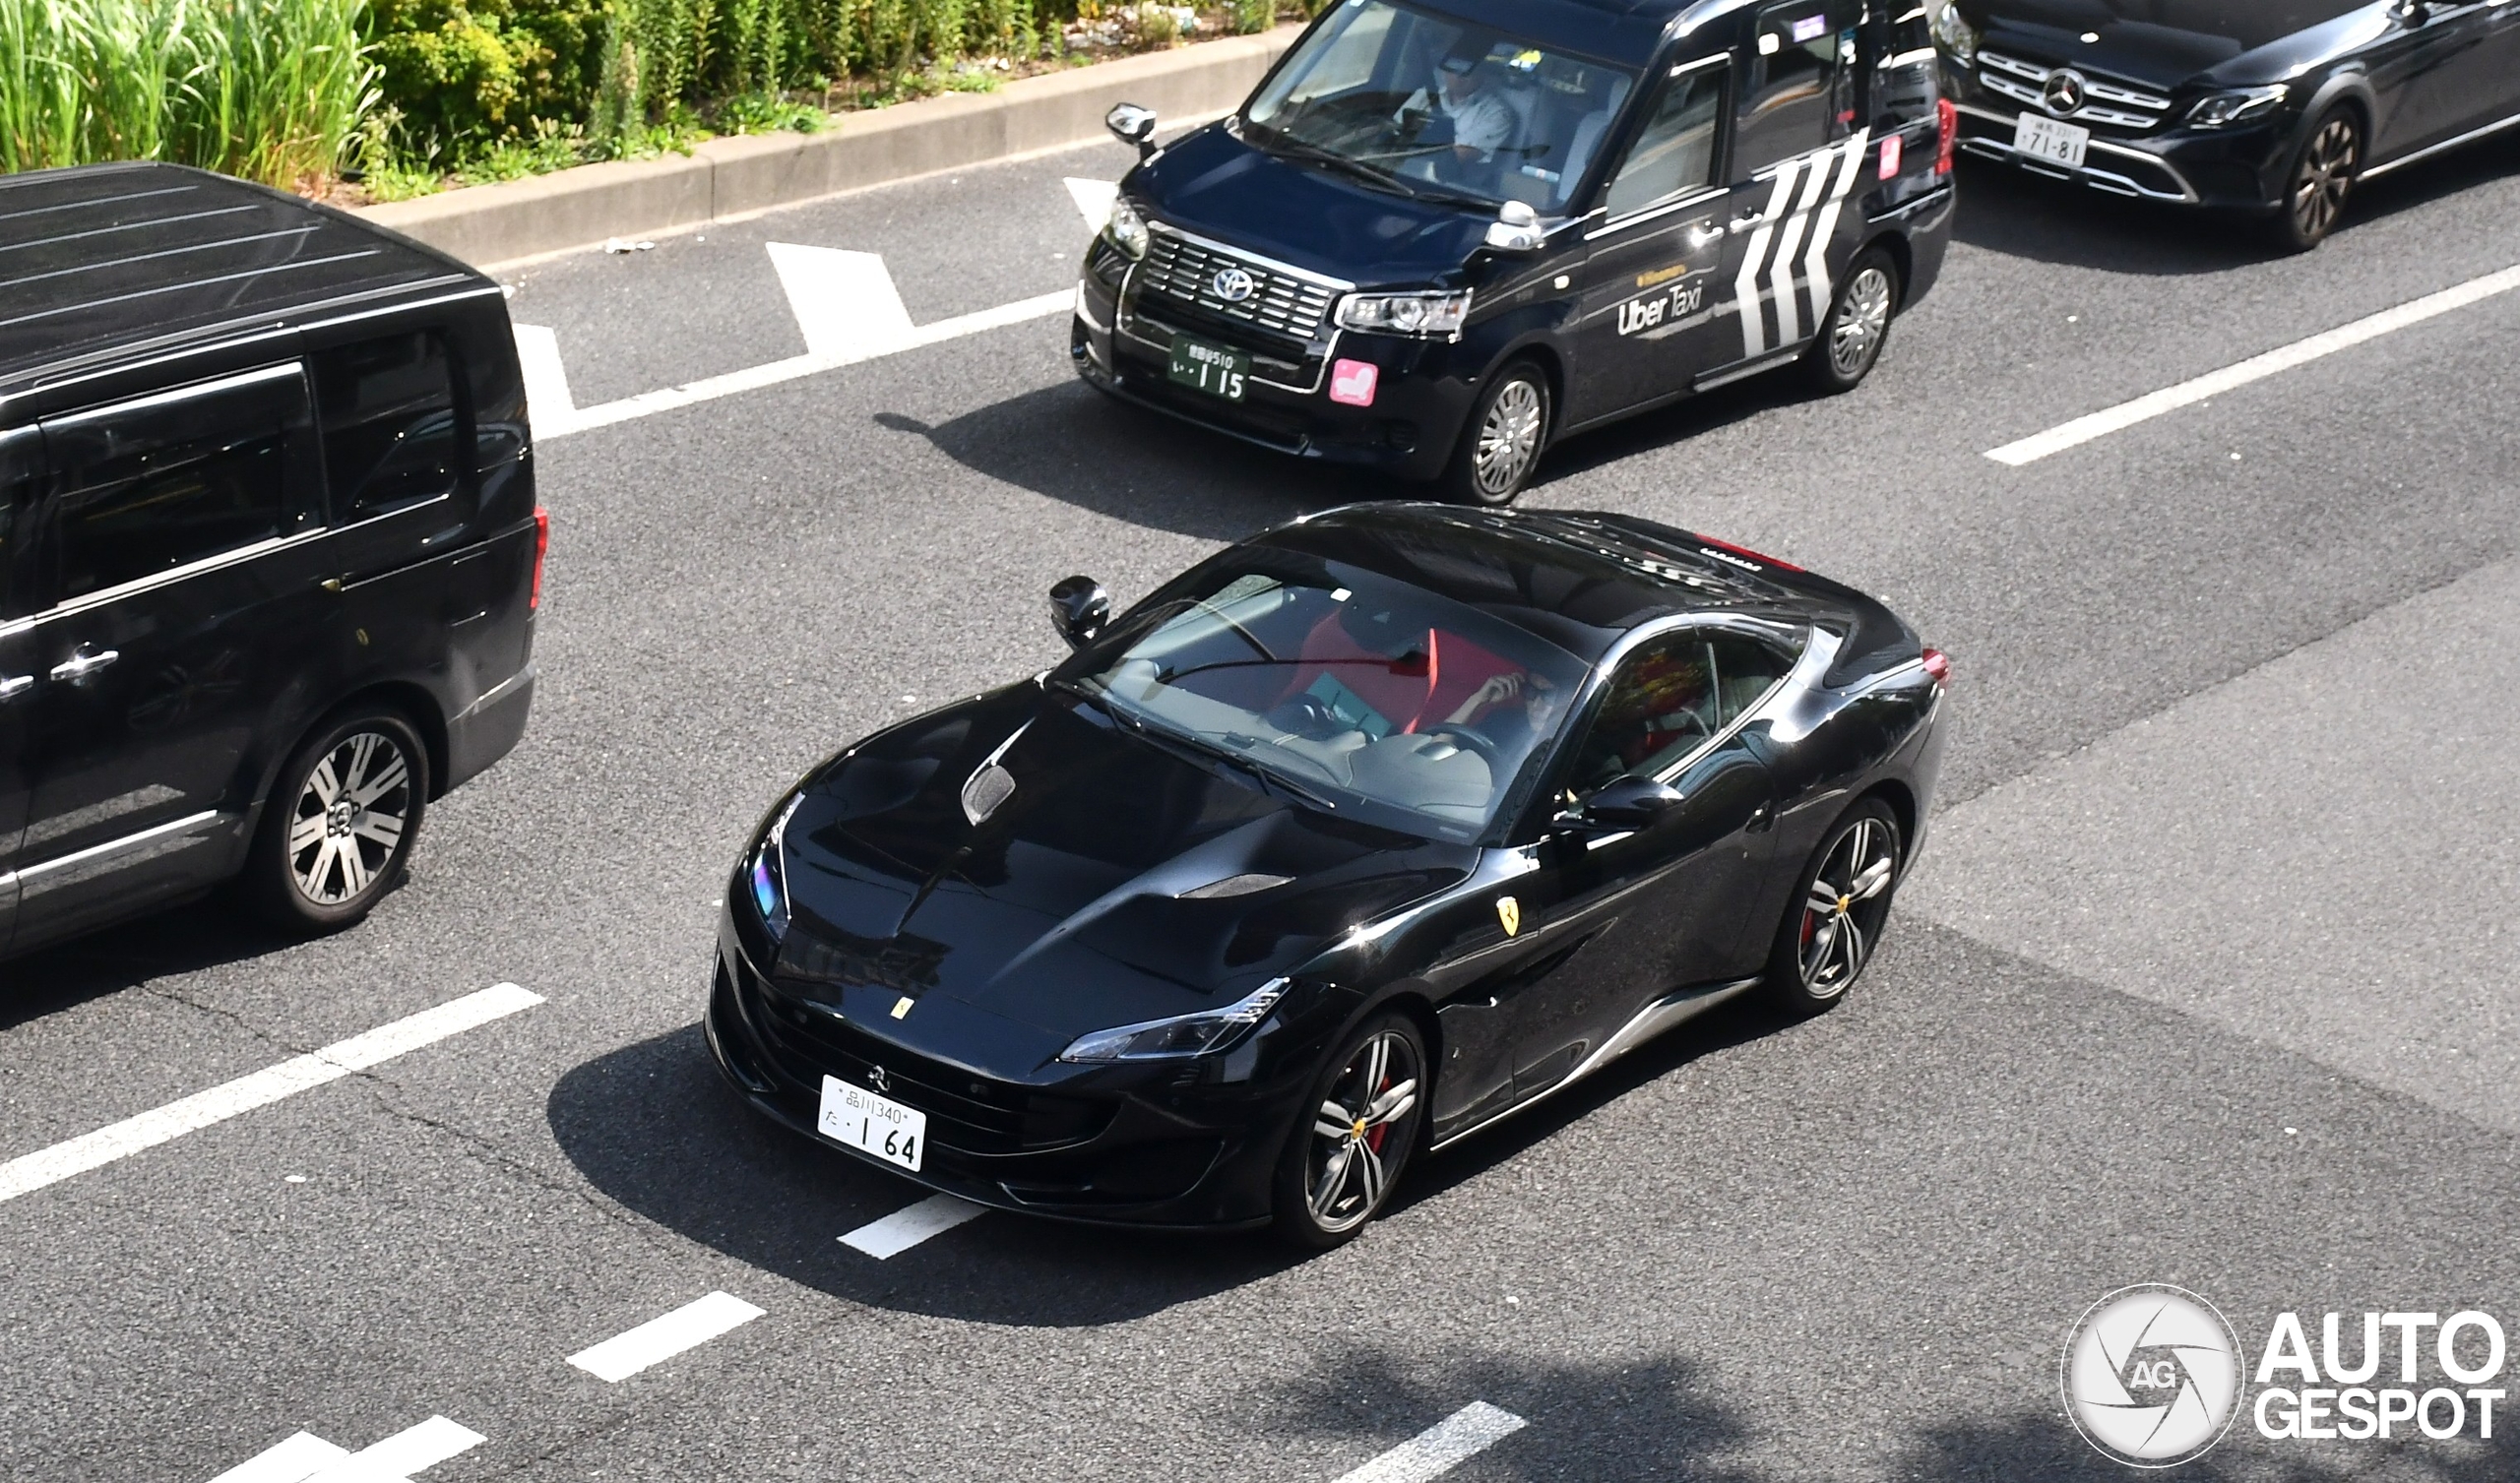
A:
1470, 741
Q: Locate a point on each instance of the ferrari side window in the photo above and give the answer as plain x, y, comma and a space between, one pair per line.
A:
1745, 670
1660, 706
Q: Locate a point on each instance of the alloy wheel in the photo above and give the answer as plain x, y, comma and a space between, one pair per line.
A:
1849, 899
2326, 174
349, 819
1362, 1136
1864, 319
1509, 438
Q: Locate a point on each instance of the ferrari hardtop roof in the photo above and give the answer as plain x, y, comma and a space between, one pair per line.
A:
101, 263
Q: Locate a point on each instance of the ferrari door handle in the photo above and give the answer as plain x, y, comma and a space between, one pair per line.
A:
16, 685
79, 666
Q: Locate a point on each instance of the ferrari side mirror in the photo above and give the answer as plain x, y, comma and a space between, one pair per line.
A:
1079, 607
1629, 802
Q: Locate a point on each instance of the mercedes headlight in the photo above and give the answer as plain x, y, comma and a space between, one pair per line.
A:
1126, 228
1954, 34
765, 873
1432, 314
1183, 1034
2220, 110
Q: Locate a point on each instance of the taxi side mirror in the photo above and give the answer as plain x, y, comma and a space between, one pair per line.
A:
1516, 228
1079, 607
1132, 124
1629, 802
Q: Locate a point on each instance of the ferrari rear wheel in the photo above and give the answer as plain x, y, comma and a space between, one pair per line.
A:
1834, 922
1344, 1156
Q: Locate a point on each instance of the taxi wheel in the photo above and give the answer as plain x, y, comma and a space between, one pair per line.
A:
1501, 444
1857, 326
2322, 176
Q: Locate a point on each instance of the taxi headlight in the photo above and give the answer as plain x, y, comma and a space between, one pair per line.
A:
2218, 110
1954, 34
766, 872
1126, 228
1183, 1034
1431, 315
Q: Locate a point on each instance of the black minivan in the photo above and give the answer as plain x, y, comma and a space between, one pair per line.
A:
1442, 233
269, 547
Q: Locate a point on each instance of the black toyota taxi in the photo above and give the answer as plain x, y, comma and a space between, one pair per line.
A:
1442, 233
268, 548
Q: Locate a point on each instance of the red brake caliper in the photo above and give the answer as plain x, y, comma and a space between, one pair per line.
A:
1374, 1134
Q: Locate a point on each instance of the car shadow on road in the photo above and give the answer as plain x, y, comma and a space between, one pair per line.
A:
2044, 1446
2019, 215
188, 939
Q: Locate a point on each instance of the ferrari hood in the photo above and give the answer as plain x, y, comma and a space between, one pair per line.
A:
1023, 855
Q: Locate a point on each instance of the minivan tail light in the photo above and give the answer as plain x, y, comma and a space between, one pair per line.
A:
1939, 665
541, 549
1946, 123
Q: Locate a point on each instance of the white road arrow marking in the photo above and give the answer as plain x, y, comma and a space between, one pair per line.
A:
905, 1228
1440, 1448
843, 301
1092, 200
308, 1459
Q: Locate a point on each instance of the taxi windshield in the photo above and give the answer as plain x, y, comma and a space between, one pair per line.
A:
1431, 105
1366, 695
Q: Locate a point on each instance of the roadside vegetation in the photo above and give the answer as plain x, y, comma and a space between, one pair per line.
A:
382, 99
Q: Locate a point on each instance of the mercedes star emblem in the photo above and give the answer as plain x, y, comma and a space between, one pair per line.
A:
2064, 92
1232, 284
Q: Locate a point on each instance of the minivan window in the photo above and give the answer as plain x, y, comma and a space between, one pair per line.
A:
155, 485
389, 417
21, 464
1427, 104
1791, 102
1676, 151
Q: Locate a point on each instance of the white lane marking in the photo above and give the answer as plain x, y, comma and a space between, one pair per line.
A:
648, 403
403, 1453
658, 1339
1092, 200
1440, 1448
34, 1171
2127, 414
902, 1229
548, 404
845, 301
308, 1459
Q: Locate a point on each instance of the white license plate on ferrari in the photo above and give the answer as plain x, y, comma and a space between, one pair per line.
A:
2047, 139
880, 1126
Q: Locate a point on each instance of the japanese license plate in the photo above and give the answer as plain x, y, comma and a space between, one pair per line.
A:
1218, 370
859, 1118
2047, 139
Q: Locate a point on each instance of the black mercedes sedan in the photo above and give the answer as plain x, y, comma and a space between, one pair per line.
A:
2271, 106
1357, 836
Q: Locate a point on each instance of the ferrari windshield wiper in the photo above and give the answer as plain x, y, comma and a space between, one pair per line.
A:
1177, 741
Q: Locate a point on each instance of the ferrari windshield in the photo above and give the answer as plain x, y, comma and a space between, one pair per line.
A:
1423, 104
1359, 692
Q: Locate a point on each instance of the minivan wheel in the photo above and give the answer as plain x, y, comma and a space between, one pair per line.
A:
1857, 326
337, 828
1355, 1137
1501, 442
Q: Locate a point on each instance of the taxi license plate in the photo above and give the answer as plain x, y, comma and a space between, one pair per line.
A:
1218, 370
880, 1126
2047, 139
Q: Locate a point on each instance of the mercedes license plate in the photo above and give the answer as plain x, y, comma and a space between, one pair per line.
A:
859, 1118
1218, 370
2047, 139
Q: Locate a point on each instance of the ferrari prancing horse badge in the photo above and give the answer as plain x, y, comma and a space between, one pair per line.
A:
1509, 913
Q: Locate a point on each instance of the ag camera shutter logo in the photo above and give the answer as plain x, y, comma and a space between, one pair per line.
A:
2152, 1375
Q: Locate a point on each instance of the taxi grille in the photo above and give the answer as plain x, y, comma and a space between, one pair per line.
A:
2115, 105
1278, 304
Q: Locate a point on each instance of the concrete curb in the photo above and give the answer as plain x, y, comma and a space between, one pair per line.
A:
725, 178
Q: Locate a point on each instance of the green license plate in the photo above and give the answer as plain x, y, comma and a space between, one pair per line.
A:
1215, 369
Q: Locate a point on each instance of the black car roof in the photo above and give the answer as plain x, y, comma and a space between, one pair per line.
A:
1579, 579
105, 262
1616, 31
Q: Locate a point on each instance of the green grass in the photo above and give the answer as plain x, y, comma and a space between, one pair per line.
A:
270, 89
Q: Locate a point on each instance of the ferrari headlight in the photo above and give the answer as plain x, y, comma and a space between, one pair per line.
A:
1183, 1034
1126, 228
2218, 110
1432, 314
1954, 34
766, 872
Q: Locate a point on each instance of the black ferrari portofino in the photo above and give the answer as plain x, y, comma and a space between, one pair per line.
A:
1357, 836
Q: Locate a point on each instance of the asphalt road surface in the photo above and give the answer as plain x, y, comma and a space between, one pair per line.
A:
2205, 976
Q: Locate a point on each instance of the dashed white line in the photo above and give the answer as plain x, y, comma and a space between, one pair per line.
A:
902, 1229
2127, 414
1440, 1448
46, 1166
308, 1459
658, 1339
